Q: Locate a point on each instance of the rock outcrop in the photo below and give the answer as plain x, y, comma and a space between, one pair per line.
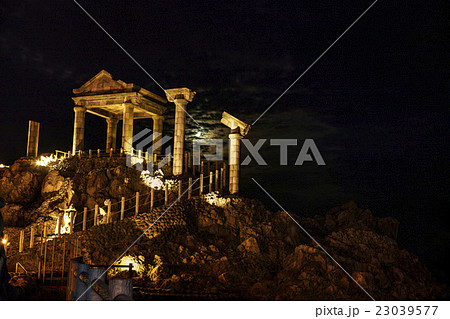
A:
233, 245
20, 187
32, 192
20, 184
219, 244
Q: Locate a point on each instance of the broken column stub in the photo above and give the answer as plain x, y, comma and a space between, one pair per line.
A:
33, 138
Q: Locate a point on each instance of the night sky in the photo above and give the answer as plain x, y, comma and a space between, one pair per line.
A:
376, 104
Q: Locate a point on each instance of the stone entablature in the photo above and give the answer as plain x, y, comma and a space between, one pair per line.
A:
115, 101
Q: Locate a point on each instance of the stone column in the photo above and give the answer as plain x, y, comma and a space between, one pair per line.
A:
178, 141
180, 97
111, 133
127, 130
78, 131
157, 128
33, 138
234, 159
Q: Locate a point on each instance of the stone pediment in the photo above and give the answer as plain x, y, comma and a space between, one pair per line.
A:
103, 83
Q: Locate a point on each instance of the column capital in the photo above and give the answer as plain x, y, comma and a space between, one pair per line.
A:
112, 120
157, 117
180, 94
79, 108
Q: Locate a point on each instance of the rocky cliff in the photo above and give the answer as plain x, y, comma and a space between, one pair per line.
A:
233, 244
32, 192
222, 244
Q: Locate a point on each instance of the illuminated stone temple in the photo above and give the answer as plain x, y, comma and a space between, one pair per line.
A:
115, 101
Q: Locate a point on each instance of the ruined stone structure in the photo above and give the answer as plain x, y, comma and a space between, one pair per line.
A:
180, 97
238, 130
33, 138
115, 100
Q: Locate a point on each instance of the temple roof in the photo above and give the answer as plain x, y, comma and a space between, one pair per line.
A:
103, 83
104, 96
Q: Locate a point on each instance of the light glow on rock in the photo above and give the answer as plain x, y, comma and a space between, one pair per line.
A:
48, 160
137, 263
136, 160
213, 198
156, 180
153, 181
65, 227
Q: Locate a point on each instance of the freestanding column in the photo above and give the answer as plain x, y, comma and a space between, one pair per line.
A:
127, 131
235, 150
157, 133
178, 147
238, 130
78, 131
33, 138
180, 97
111, 134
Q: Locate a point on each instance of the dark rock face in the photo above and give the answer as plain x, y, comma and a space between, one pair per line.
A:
32, 192
20, 187
220, 244
12, 214
350, 216
236, 246
52, 184
96, 180
20, 184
